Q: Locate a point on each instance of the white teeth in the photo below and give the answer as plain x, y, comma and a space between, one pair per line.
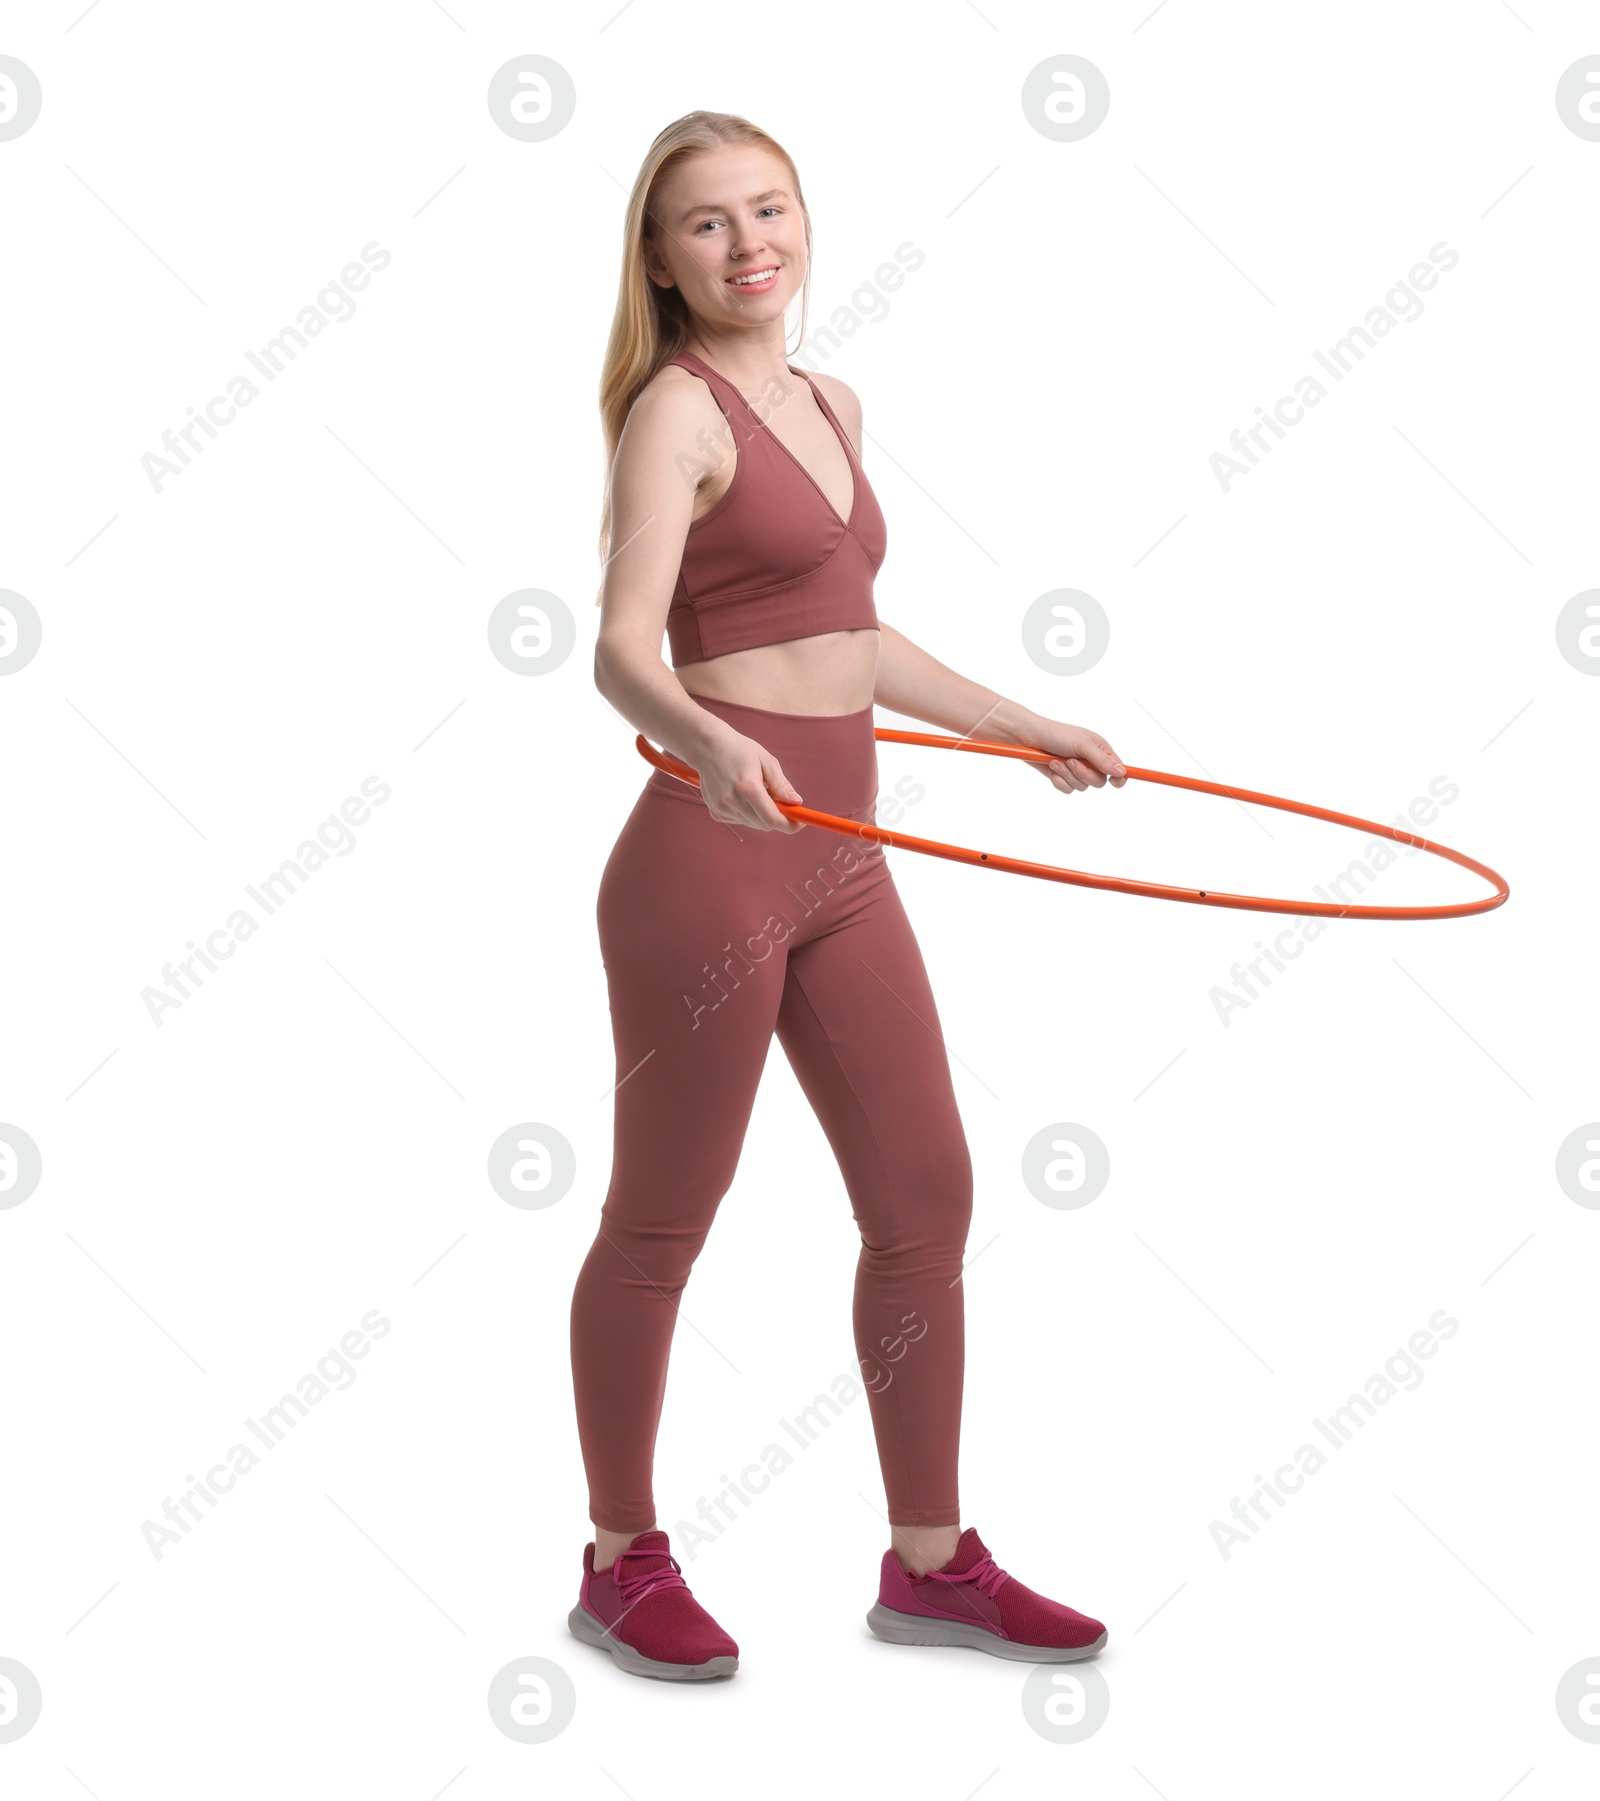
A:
741, 281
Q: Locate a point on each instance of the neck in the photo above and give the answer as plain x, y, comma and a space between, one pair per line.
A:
751, 360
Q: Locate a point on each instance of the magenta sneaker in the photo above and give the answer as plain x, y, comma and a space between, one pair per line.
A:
641, 1611
971, 1602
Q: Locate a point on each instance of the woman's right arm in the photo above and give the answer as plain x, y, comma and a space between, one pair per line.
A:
651, 507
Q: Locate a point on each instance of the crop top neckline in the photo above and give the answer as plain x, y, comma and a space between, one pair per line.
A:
772, 559
827, 413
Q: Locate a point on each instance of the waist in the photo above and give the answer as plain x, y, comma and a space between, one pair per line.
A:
818, 673
832, 758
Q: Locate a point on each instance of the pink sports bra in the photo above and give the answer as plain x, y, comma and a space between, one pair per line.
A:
772, 560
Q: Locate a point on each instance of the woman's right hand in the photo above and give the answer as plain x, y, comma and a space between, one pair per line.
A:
738, 779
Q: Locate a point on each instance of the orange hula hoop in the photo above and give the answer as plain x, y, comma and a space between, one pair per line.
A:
1203, 897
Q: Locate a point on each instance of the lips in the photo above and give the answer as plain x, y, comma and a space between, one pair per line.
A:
765, 280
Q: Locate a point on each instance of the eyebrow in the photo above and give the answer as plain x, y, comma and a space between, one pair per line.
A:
755, 200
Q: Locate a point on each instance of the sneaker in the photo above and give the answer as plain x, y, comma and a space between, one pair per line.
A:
641, 1611
971, 1602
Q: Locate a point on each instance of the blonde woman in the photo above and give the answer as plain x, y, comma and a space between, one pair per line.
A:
740, 522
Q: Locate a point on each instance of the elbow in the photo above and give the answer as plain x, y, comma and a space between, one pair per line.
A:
622, 659
610, 664
602, 668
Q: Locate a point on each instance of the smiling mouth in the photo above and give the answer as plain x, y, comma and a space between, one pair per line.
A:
755, 280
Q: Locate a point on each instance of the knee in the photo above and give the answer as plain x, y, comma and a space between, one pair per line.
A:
925, 1211
944, 1177
654, 1246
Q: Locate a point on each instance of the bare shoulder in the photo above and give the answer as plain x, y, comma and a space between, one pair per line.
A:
672, 445
667, 425
844, 401
673, 397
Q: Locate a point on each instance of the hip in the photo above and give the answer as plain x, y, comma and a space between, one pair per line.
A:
672, 861
832, 759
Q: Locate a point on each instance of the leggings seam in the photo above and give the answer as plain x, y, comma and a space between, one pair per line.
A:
792, 972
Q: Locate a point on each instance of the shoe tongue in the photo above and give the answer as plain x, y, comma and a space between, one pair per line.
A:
969, 1548
655, 1542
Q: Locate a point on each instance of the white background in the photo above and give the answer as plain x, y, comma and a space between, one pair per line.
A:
1291, 1195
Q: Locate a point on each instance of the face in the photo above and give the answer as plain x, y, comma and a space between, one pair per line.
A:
727, 216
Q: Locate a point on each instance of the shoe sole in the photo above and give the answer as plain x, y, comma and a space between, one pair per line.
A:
913, 1629
582, 1624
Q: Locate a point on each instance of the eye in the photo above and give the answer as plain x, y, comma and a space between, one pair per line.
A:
772, 207
705, 222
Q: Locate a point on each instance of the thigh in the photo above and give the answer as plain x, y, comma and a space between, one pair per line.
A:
694, 980
860, 1027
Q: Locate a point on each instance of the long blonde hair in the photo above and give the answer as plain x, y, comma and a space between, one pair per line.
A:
651, 324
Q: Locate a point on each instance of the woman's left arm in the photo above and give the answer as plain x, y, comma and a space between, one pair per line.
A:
911, 681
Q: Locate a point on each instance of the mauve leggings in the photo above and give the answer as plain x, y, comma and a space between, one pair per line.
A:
713, 937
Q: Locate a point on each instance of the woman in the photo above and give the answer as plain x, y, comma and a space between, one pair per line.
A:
739, 521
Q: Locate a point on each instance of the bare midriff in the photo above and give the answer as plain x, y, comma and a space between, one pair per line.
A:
834, 672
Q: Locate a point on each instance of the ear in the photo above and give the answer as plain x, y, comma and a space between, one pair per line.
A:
655, 268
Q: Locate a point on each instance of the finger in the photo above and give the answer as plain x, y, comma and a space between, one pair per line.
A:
1086, 772
779, 787
777, 781
1102, 757
765, 816
740, 807
751, 818
1062, 776
754, 808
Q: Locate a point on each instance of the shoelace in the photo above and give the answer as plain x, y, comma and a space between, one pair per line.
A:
985, 1574
633, 1587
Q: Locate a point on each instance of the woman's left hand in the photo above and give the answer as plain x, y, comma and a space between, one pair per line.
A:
1083, 759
